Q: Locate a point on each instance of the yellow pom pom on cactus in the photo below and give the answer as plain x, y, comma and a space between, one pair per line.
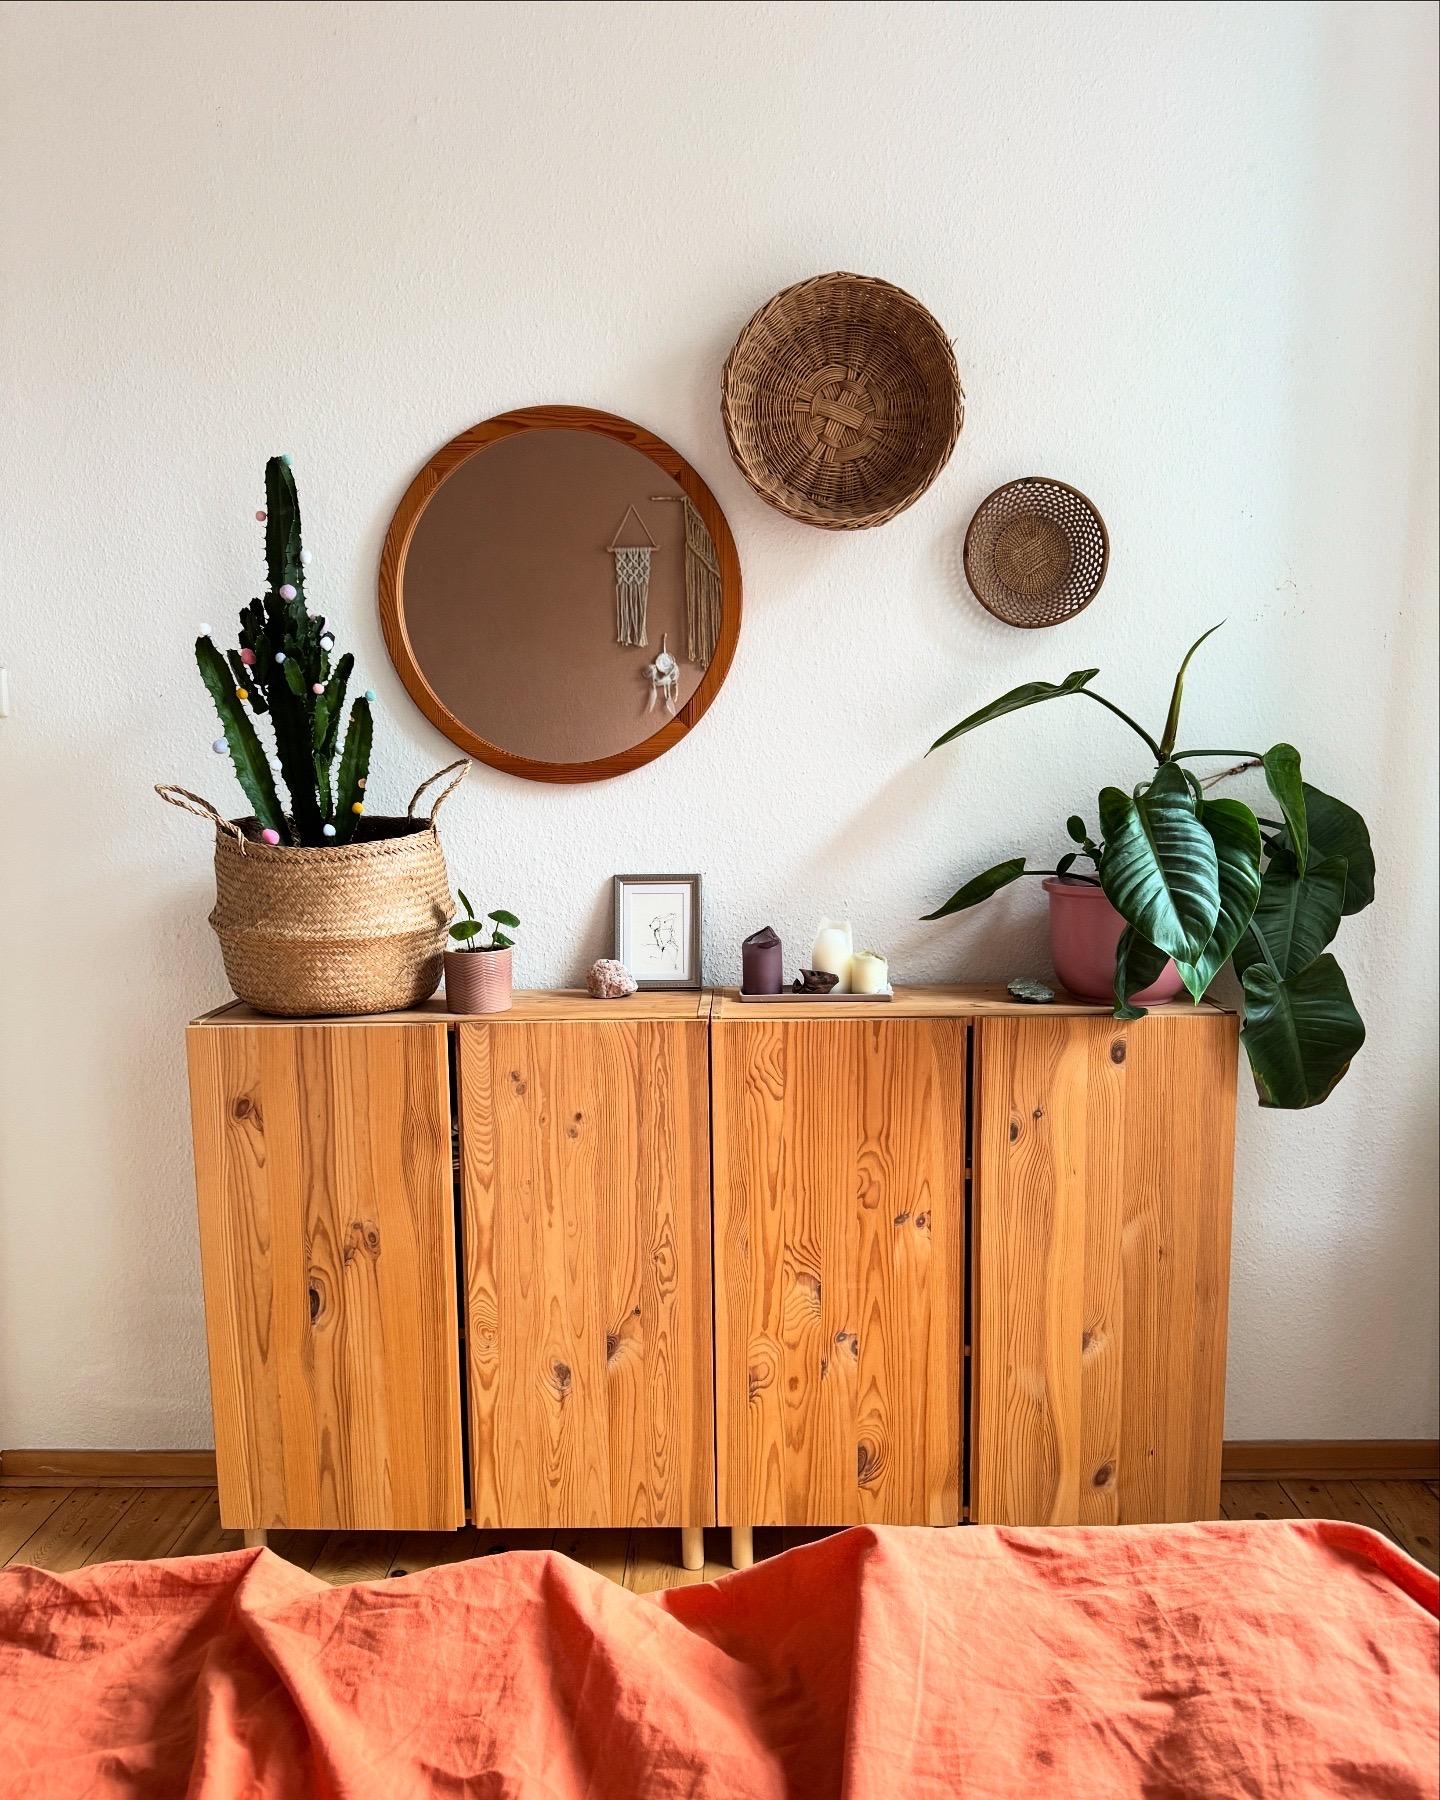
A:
358, 807
242, 693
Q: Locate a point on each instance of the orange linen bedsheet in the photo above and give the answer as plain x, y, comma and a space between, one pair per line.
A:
1288, 1659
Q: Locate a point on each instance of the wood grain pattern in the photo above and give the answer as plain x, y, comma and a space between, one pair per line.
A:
76, 1528
22, 1512
327, 1248
1407, 1511
1101, 1220
586, 1157
392, 588
1256, 1500
108, 1468
838, 1219
151, 1527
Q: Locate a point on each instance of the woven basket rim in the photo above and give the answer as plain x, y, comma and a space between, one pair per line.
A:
875, 295
328, 854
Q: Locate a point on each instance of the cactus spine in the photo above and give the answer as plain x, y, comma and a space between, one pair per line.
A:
288, 676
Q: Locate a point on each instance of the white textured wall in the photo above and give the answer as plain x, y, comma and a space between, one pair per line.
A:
1186, 254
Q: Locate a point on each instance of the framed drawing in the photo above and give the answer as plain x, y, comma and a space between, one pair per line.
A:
657, 929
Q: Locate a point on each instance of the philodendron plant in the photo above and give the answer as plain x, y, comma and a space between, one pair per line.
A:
1207, 882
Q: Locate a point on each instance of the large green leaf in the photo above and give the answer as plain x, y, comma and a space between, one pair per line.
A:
1159, 869
1172, 718
1338, 830
1282, 773
1137, 964
282, 527
981, 887
354, 771
1235, 832
1030, 694
1298, 915
1300, 1033
252, 766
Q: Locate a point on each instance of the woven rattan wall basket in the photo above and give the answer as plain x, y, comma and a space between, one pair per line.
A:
1036, 552
842, 401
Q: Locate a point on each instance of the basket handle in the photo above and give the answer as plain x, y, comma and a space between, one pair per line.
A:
202, 809
463, 766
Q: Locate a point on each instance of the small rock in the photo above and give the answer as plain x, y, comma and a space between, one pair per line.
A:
815, 981
1033, 993
609, 980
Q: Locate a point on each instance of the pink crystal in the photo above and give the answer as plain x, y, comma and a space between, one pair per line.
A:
609, 980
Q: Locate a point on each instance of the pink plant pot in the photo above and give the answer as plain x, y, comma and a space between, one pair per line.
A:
1084, 932
477, 981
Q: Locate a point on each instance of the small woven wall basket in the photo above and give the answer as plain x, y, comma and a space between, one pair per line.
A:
1036, 552
842, 401
359, 928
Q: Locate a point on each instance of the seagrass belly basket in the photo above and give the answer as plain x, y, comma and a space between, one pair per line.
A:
353, 928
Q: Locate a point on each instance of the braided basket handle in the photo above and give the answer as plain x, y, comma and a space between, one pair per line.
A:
463, 766
202, 809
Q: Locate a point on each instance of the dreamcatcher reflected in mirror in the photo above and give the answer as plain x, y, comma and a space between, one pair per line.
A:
631, 547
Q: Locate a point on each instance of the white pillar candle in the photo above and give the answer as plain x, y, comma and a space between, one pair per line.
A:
832, 951
869, 972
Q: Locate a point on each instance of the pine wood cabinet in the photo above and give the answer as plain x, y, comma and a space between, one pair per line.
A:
585, 1218
968, 1260
839, 1250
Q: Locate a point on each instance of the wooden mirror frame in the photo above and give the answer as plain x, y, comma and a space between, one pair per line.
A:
444, 463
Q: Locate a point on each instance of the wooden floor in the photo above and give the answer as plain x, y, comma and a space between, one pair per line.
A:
66, 1528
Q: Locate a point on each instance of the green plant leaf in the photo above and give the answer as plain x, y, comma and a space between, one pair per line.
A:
1075, 825
465, 930
501, 917
354, 768
1030, 694
329, 706
465, 902
282, 529
252, 766
499, 941
1338, 830
1297, 915
1235, 832
1300, 1033
1067, 862
1172, 718
1137, 964
1160, 869
1282, 775
980, 887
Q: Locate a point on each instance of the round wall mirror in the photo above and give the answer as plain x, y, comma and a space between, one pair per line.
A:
560, 593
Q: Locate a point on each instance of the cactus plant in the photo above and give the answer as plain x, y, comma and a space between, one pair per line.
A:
282, 669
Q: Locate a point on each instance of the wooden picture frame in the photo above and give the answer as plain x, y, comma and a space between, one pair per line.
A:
417, 495
679, 939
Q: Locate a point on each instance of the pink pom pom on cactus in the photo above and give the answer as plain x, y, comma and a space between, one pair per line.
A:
287, 592
267, 836
260, 516
248, 658
317, 687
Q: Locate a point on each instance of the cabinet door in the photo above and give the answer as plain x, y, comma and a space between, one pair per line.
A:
327, 1239
839, 1224
586, 1155
1103, 1156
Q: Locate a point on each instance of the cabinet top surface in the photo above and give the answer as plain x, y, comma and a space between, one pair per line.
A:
724, 1004
530, 1006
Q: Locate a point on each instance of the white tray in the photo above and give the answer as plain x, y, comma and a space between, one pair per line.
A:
886, 993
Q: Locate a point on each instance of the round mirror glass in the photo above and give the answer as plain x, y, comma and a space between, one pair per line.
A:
560, 593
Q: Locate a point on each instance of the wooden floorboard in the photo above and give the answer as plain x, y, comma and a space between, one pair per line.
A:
62, 1529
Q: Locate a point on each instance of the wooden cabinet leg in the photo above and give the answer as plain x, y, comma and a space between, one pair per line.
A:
742, 1546
256, 1540
692, 1547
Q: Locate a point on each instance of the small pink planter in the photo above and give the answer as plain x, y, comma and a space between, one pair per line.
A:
1084, 932
477, 981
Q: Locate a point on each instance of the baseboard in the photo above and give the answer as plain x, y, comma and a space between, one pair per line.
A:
1332, 1459
107, 1468
1264, 1459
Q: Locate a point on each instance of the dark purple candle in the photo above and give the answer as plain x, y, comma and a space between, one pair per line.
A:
760, 963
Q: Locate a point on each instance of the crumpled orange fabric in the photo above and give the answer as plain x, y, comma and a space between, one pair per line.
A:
1285, 1659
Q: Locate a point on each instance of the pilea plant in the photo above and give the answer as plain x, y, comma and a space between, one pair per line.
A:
1207, 881
466, 932
282, 669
